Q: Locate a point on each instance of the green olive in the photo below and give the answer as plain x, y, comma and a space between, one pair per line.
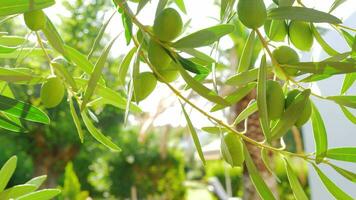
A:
276, 30
52, 92
232, 149
252, 13
169, 75
168, 25
275, 100
306, 111
144, 84
158, 56
35, 20
301, 35
286, 55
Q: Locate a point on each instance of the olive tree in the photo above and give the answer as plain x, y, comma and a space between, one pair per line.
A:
275, 88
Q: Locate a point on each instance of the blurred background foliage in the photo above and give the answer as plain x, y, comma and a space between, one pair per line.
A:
152, 166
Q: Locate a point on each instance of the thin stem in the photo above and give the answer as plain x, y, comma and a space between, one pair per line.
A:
44, 51
345, 27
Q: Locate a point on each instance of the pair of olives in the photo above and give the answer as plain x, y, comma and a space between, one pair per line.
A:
167, 26
52, 92
277, 103
35, 20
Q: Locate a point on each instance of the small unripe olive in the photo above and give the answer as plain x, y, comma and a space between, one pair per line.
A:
168, 25
306, 110
286, 55
275, 100
169, 75
52, 92
158, 56
252, 13
144, 84
301, 35
276, 30
232, 151
35, 20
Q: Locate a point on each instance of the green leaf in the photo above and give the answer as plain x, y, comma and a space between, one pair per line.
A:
76, 120
17, 191
194, 135
249, 110
126, 21
193, 67
13, 41
96, 74
247, 53
97, 134
45, 194
124, 66
204, 37
290, 115
348, 37
54, 38
201, 89
6, 49
297, 188
19, 76
62, 71
320, 135
347, 154
141, 5
315, 77
261, 187
302, 14
243, 78
21, 6
6, 172
348, 101
199, 55
181, 5
161, 5
10, 125
345, 173
325, 67
214, 129
79, 59
326, 47
336, 4
37, 181
348, 114
348, 82
262, 100
22, 110
332, 187
236, 96
22, 53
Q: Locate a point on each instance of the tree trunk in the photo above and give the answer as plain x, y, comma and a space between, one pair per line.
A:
254, 131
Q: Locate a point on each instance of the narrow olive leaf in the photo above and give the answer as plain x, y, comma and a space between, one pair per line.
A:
96, 74
348, 37
261, 187
97, 134
320, 135
324, 67
22, 53
181, 5
6, 172
348, 101
350, 116
199, 55
347, 154
247, 53
336, 4
236, 96
249, 110
79, 59
54, 38
204, 37
63, 72
76, 120
8, 124
315, 77
17, 191
267, 162
243, 78
290, 115
45, 194
193, 67
161, 5
297, 188
303, 14
201, 89
21, 6
19, 76
348, 82
331, 186
345, 173
37, 181
194, 135
262, 100
12, 41
127, 23
22, 110
338, 57
214, 129
326, 47
124, 66
6, 49
141, 5
100, 35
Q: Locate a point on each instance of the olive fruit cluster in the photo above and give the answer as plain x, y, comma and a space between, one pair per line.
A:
52, 92
167, 26
35, 20
277, 103
232, 149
